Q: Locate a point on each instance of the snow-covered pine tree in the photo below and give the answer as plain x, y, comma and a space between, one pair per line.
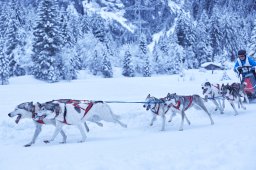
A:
147, 68
69, 63
185, 31
252, 44
4, 66
215, 33
203, 50
128, 68
98, 28
11, 39
142, 55
230, 27
106, 67
95, 64
68, 50
47, 42
174, 64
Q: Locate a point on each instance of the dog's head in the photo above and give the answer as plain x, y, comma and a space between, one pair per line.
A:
224, 90
170, 98
206, 87
23, 110
48, 110
149, 102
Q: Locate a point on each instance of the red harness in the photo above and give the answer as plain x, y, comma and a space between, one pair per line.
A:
76, 104
177, 106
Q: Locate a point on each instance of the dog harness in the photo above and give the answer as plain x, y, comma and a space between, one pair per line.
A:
177, 106
76, 105
40, 120
156, 111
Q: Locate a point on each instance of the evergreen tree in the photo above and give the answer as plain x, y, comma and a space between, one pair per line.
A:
95, 64
215, 33
128, 69
252, 44
98, 28
11, 39
142, 54
203, 50
184, 31
47, 42
106, 67
146, 68
175, 61
4, 67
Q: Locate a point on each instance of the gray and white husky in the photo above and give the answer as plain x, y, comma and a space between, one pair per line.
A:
181, 103
233, 93
77, 114
158, 107
213, 93
29, 110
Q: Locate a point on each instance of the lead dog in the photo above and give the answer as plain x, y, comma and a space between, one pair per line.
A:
182, 103
213, 92
233, 93
76, 114
158, 107
28, 110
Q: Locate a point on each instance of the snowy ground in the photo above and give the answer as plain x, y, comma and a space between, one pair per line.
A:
230, 144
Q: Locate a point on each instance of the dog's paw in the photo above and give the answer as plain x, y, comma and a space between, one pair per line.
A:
27, 145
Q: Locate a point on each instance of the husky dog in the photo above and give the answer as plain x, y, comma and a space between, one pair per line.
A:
76, 114
233, 93
182, 103
29, 110
158, 107
213, 92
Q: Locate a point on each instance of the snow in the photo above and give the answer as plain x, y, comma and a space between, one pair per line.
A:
229, 144
210, 63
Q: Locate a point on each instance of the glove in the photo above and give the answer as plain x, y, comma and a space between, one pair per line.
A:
239, 70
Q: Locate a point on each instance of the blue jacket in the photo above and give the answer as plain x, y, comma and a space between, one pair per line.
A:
249, 61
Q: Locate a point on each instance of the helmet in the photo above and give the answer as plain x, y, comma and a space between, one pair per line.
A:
241, 52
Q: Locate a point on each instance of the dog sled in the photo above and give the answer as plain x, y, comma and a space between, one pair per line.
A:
247, 76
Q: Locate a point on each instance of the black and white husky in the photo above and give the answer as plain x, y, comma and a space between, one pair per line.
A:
76, 114
181, 103
158, 107
233, 93
213, 92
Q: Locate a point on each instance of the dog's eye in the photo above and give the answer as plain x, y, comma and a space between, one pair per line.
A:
202, 87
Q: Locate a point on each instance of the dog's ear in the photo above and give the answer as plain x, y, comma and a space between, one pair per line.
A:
148, 96
39, 104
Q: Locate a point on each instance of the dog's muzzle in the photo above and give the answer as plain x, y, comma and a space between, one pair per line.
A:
17, 119
146, 106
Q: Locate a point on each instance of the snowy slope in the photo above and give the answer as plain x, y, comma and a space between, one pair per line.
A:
230, 144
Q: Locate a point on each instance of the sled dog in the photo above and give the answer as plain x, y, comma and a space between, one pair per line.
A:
181, 103
213, 92
29, 110
233, 93
158, 107
76, 114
